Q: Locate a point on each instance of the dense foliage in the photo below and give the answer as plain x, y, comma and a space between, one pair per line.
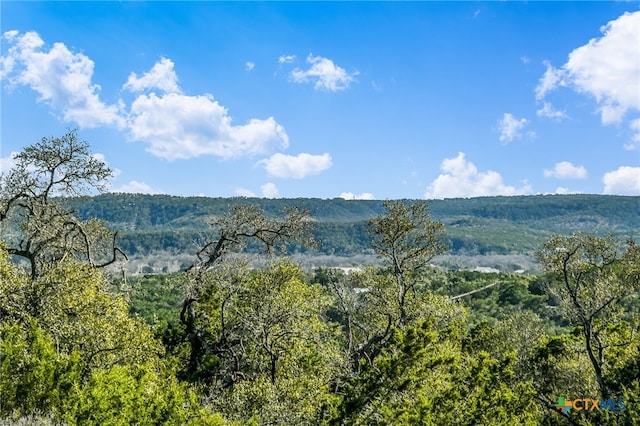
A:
477, 226
226, 343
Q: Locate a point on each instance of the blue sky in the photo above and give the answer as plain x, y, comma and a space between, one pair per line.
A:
333, 99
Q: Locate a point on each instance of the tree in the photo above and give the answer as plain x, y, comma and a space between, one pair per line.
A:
595, 281
34, 224
372, 302
69, 302
591, 280
243, 225
406, 238
425, 375
280, 355
71, 349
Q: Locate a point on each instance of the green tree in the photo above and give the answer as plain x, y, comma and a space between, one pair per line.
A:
591, 280
594, 281
38, 227
427, 374
34, 377
406, 238
372, 302
70, 348
215, 275
70, 303
281, 355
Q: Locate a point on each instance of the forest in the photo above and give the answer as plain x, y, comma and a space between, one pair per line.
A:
475, 226
243, 335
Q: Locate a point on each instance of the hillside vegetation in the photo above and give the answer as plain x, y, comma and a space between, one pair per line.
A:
475, 226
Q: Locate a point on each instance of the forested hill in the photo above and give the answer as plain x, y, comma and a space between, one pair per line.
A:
484, 225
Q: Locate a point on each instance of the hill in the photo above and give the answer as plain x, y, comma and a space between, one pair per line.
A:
475, 226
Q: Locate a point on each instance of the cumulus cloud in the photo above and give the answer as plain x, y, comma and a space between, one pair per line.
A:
181, 126
352, 196
175, 125
269, 190
549, 111
623, 181
324, 74
249, 66
607, 68
296, 167
135, 187
566, 170
62, 79
162, 76
461, 179
511, 128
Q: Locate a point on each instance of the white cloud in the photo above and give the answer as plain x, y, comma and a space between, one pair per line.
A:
324, 74
461, 179
623, 181
242, 192
135, 187
249, 66
100, 157
269, 190
8, 62
61, 78
174, 125
352, 196
551, 79
297, 167
566, 170
162, 76
8, 162
548, 111
607, 68
635, 137
181, 126
511, 128
286, 59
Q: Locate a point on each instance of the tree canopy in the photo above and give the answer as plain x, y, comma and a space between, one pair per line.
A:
35, 225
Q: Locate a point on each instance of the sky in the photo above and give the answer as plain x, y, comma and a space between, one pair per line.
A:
359, 100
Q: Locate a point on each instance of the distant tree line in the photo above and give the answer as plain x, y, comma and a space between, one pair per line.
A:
478, 226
